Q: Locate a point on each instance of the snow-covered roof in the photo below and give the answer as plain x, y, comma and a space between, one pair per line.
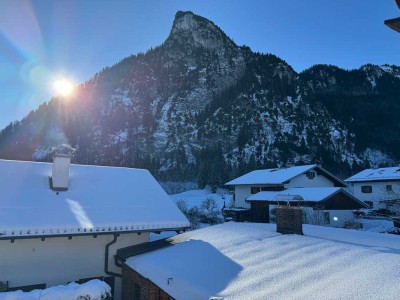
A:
279, 175
253, 261
381, 174
99, 199
314, 194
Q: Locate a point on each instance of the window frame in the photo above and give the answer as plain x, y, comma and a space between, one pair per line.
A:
311, 174
366, 189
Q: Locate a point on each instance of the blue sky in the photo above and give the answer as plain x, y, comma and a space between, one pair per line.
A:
43, 40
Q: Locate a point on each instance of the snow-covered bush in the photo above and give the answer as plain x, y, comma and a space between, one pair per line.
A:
193, 214
313, 216
210, 211
92, 290
207, 213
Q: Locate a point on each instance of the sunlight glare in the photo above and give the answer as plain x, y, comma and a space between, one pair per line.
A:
63, 87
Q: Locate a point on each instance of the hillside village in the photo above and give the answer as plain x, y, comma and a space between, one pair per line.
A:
79, 213
178, 200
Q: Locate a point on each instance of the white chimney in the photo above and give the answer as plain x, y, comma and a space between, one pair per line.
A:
61, 162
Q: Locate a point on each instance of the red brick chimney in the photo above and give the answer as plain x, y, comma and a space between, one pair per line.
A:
289, 220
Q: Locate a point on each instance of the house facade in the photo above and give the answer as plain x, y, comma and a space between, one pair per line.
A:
59, 225
280, 179
329, 206
379, 188
325, 202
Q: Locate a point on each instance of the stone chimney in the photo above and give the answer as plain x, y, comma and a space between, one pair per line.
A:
289, 220
61, 161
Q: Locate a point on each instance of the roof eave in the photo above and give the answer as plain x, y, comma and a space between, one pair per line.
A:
393, 24
333, 177
372, 179
39, 236
341, 190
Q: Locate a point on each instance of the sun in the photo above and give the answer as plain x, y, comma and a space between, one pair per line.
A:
63, 87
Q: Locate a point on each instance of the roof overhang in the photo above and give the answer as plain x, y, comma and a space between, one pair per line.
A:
298, 200
92, 233
366, 180
393, 24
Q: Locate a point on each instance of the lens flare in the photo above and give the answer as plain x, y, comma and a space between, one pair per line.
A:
63, 87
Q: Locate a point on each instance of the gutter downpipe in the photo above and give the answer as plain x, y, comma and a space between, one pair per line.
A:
106, 270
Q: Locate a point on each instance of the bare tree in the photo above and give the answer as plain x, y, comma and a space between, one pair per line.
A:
313, 216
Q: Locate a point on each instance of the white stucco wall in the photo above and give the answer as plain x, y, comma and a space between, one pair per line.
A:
338, 218
304, 181
59, 260
379, 192
241, 193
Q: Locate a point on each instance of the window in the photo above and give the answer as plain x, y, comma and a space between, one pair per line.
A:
255, 189
310, 175
389, 188
366, 189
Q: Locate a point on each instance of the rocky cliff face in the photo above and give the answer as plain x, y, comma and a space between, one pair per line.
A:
199, 106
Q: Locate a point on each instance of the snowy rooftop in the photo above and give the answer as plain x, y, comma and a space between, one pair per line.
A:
253, 261
314, 194
99, 199
380, 174
277, 176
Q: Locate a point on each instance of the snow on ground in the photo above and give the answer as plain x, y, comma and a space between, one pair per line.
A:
253, 261
376, 225
91, 290
196, 197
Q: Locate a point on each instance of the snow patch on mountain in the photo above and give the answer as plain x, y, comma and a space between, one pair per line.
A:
377, 158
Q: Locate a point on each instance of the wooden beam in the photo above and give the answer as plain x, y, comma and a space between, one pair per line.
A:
393, 23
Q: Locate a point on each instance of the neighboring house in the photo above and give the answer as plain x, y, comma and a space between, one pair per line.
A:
257, 193
330, 206
61, 223
253, 261
376, 186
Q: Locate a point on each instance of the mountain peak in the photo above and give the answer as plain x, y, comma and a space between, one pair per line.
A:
201, 31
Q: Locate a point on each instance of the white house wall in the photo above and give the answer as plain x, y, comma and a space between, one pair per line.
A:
303, 181
56, 261
338, 218
379, 192
241, 193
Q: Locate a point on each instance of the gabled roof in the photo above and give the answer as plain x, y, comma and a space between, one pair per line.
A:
313, 194
281, 175
253, 261
381, 174
99, 200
